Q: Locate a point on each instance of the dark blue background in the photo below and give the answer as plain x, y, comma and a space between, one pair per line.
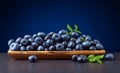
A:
98, 18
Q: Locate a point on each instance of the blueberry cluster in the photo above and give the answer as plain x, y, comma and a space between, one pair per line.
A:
54, 42
79, 58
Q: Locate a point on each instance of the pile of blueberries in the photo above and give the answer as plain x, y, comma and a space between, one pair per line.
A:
54, 42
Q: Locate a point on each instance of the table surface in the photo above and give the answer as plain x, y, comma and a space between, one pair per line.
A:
8, 65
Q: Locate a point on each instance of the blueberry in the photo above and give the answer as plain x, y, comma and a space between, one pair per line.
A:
62, 32
34, 36
50, 34
99, 46
41, 34
32, 58
59, 46
92, 48
88, 38
81, 58
68, 49
71, 44
84, 36
109, 57
56, 37
47, 37
74, 58
38, 40
31, 40
78, 47
44, 44
35, 45
96, 41
73, 39
78, 41
49, 42
29, 48
86, 44
46, 49
74, 34
10, 42
24, 42
52, 48
27, 36
40, 48
65, 43
22, 48
93, 43
65, 37
14, 47
18, 39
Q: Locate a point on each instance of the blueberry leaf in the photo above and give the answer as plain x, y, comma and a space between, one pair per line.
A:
90, 56
67, 32
99, 56
99, 61
82, 39
92, 59
78, 31
76, 27
69, 27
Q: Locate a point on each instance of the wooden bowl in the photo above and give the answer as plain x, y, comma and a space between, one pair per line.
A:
22, 55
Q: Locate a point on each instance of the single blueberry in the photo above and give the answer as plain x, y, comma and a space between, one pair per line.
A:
109, 57
73, 39
49, 42
65, 43
78, 41
59, 46
47, 37
86, 44
74, 58
22, 48
14, 47
52, 48
78, 47
40, 48
35, 45
18, 40
82, 58
50, 34
56, 37
68, 49
29, 48
32, 58
34, 36
92, 48
25, 42
62, 32
27, 36
74, 34
71, 44
88, 38
41, 34
38, 40
99, 46
65, 37
10, 42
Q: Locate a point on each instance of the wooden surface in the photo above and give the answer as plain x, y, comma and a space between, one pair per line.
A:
9, 65
52, 54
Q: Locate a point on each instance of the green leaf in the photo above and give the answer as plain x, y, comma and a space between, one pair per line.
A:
78, 31
99, 61
90, 56
99, 56
69, 27
82, 39
67, 32
92, 59
76, 27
